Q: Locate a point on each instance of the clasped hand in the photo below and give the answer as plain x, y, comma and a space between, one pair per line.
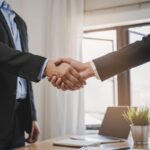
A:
68, 74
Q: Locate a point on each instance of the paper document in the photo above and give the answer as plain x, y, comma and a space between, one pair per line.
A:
97, 138
74, 143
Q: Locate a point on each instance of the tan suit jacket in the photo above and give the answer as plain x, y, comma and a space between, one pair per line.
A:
126, 58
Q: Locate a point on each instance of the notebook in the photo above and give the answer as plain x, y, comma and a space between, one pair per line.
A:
74, 143
114, 128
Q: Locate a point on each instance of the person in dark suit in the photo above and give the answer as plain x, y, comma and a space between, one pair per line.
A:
17, 112
104, 67
17, 69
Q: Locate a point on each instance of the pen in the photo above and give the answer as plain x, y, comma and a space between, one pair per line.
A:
123, 148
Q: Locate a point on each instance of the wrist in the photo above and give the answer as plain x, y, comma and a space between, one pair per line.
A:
89, 69
49, 68
46, 69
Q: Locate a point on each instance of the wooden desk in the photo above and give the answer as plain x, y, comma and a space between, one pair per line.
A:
125, 144
47, 145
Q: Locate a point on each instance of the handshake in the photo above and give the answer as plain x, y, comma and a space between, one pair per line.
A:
68, 74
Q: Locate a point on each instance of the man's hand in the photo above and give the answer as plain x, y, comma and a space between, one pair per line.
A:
64, 71
85, 70
34, 135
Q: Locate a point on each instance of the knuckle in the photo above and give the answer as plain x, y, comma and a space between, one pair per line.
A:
75, 81
68, 69
63, 74
69, 58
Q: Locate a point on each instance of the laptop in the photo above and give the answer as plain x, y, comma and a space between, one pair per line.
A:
114, 127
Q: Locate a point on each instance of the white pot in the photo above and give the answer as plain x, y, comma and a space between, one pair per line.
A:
140, 134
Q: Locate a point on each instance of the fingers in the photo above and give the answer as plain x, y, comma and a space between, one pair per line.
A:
69, 85
69, 79
68, 75
33, 138
64, 85
29, 139
79, 77
34, 135
72, 82
60, 85
53, 80
56, 82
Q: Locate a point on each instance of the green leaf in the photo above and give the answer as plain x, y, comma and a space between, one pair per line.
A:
137, 116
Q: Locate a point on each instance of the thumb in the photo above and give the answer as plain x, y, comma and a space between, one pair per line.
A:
84, 75
58, 61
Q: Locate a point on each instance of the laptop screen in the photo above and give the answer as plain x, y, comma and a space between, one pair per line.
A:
114, 124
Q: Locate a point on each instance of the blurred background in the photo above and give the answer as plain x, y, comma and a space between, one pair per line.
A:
84, 30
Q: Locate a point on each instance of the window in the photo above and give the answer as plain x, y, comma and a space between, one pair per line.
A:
128, 88
98, 95
139, 77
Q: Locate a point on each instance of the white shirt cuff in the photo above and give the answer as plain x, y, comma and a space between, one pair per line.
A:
41, 74
95, 70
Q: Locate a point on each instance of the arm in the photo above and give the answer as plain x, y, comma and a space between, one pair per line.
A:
28, 66
113, 63
116, 62
25, 65
126, 58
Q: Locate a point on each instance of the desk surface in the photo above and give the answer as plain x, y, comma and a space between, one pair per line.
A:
48, 145
45, 145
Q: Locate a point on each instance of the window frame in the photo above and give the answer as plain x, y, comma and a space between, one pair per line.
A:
123, 79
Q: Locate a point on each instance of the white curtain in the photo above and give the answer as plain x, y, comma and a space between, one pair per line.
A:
63, 111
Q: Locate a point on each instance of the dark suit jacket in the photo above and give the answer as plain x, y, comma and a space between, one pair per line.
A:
126, 58
12, 64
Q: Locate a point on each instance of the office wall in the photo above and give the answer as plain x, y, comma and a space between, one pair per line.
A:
99, 13
101, 4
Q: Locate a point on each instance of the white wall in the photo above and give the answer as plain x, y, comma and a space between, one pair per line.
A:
101, 4
100, 13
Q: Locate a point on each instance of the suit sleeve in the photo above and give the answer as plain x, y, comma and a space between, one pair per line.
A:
25, 65
126, 58
33, 108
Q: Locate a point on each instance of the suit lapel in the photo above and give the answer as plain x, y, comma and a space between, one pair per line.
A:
2, 18
20, 28
22, 33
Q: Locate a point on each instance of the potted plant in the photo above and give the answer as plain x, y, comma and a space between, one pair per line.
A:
139, 122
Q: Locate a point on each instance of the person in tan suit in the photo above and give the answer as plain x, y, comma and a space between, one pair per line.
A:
104, 67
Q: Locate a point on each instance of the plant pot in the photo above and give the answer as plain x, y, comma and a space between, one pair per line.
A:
140, 134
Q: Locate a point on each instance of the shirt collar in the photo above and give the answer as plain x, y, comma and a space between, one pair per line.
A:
1, 2
5, 5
